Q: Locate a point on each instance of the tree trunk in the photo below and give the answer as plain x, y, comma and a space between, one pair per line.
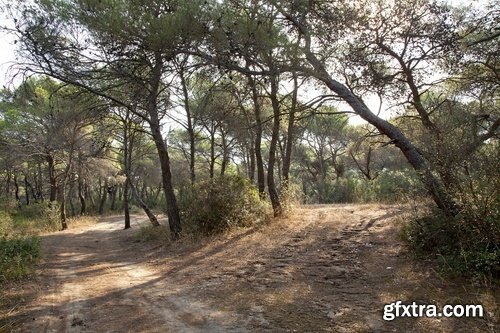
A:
287, 157
259, 163
224, 155
39, 182
271, 186
26, 185
149, 213
64, 223
189, 128
71, 194
113, 197
172, 209
52, 179
212, 152
103, 197
7, 185
432, 183
16, 191
126, 165
88, 194
67, 170
174, 219
251, 156
81, 195
126, 208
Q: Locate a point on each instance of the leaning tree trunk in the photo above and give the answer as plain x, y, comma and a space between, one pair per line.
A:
174, 219
172, 209
149, 213
433, 184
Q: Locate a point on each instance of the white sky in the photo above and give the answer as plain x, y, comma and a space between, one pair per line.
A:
7, 48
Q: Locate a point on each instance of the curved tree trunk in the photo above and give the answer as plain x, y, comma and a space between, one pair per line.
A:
433, 184
174, 219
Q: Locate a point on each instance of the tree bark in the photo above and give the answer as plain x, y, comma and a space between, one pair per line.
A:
52, 179
104, 196
81, 195
259, 162
271, 186
113, 197
16, 191
189, 128
149, 213
174, 219
212, 152
287, 157
26, 185
126, 165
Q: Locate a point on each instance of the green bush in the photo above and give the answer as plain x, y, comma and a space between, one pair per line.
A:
30, 220
18, 255
147, 233
221, 203
5, 223
463, 245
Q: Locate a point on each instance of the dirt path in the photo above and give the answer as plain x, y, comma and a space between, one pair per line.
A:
93, 283
325, 269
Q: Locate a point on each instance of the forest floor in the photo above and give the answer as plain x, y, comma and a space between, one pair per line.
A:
327, 268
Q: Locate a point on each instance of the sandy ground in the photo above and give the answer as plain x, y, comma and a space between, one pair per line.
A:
324, 269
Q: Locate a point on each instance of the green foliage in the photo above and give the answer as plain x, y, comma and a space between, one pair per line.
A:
463, 245
147, 233
19, 246
17, 256
389, 187
36, 218
221, 203
340, 190
291, 195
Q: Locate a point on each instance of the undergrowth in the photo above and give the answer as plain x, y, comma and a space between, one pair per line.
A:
20, 246
221, 203
17, 256
464, 245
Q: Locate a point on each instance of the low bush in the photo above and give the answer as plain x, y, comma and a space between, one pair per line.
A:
464, 245
147, 233
17, 256
221, 203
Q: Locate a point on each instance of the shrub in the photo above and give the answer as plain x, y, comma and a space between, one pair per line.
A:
291, 196
5, 223
463, 245
221, 203
18, 255
147, 233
